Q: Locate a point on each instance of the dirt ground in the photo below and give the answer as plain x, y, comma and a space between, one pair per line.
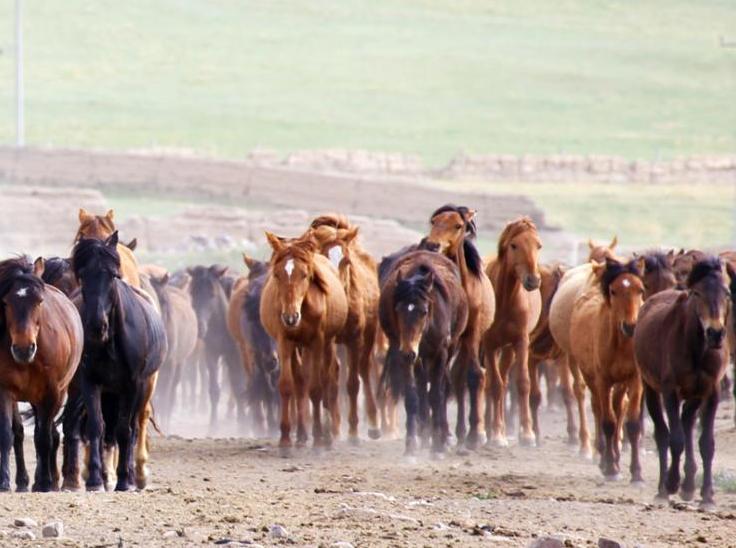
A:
211, 491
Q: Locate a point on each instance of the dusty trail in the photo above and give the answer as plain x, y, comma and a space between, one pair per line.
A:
209, 490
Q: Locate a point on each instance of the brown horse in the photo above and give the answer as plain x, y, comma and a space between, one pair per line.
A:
514, 273
680, 350
337, 240
601, 331
601, 252
304, 308
683, 263
453, 231
40, 348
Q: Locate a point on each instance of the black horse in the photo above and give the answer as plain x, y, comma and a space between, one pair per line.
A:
263, 391
423, 311
124, 344
210, 302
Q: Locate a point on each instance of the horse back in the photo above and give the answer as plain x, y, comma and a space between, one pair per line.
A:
572, 285
129, 266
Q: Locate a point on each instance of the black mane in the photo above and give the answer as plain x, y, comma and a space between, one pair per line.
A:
19, 269
55, 268
656, 261
613, 270
702, 269
89, 250
412, 287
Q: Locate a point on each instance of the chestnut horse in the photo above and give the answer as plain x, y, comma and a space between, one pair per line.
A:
514, 273
304, 308
601, 331
40, 348
680, 350
424, 312
453, 231
358, 272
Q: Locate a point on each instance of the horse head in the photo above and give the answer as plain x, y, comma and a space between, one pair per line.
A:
709, 298
449, 225
22, 292
206, 290
413, 306
623, 290
519, 246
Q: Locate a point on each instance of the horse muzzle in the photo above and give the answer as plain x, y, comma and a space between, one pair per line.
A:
628, 329
291, 320
714, 337
531, 282
24, 355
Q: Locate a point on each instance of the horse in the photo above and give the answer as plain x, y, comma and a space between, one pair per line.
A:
210, 303
683, 263
601, 252
40, 347
514, 273
258, 349
124, 346
304, 308
180, 323
659, 273
680, 350
59, 273
337, 240
452, 232
601, 338
424, 313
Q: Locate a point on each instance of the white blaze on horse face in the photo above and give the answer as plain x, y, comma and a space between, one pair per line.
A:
410, 307
626, 283
289, 267
335, 255
22, 292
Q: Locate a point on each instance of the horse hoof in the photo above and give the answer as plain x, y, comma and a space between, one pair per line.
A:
374, 433
527, 441
572, 441
687, 495
70, 488
21, 488
707, 506
586, 454
612, 476
285, 452
498, 442
122, 487
462, 451
661, 500
437, 455
354, 441
40, 488
96, 488
638, 483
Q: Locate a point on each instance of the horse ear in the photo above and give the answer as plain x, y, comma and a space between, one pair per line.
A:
165, 279
112, 241
670, 256
613, 243
250, 262
428, 279
218, 270
110, 214
84, 215
351, 234
132, 244
591, 245
598, 268
470, 215
274, 241
681, 252
39, 266
641, 265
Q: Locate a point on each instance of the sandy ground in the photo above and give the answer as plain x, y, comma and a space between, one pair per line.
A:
207, 491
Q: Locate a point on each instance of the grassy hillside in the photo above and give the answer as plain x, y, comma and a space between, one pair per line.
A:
644, 79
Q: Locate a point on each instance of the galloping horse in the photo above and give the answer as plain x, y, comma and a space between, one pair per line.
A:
337, 240
41, 343
124, 346
424, 312
601, 331
304, 307
514, 273
452, 231
679, 346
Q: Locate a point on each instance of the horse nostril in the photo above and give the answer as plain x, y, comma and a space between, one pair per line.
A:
628, 328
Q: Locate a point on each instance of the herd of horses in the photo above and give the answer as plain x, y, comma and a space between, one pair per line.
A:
95, 342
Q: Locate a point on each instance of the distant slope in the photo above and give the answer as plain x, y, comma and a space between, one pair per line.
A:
639, 79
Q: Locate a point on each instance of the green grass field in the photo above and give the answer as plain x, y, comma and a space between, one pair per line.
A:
433, 77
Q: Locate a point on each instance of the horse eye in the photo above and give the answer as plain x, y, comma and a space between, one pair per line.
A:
458, 227
513, 246
613, 293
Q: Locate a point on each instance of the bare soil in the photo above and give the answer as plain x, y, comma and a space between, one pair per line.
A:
205, 491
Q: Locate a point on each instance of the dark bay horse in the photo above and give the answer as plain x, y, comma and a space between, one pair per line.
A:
304, 308
453, 231
424, 313
41, 343
210, 303
680, 350
124, 346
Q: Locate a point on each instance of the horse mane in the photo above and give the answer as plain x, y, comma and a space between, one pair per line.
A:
88, 249
334, 220
252, 304
613, 270
408, 288
19, 269
54, 269
512, 230
302, 249
470, 228
704, 268
656, 261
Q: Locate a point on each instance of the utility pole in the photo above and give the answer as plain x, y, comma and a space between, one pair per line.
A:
19, 98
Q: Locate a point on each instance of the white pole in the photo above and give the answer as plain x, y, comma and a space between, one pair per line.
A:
19, 99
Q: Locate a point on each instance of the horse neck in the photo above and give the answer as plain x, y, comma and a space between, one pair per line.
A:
612, 335
507, 283
693, 337
457, 255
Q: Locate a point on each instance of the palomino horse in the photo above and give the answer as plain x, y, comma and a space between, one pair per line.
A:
337, 240
40, 348
453, 231
180, 322
514, 273
601, 331
679, 346
424, 312
124, 346
600, 252
304, 307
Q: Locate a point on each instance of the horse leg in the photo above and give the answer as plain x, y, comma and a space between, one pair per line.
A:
619, 409
286, 392
633, 426
411, 404
43, 440
367, 367
438, 401
535, 398
523, 387
299, 371
708, 448
568, 395
71, 428
552, 381
141, 438
578, 385
495, 394
21, 472
677, 441
317, 374
422, 378
689, 413
469, 352
607, 420
127, 419
7, 406
92, 397
332, 369
661, 436
213, 368
459, 374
